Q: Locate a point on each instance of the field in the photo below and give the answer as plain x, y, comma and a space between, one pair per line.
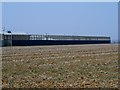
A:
63, 66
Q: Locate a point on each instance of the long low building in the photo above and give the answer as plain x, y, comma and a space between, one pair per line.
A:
28, 40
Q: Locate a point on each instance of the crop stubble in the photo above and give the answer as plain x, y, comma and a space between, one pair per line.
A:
76, 66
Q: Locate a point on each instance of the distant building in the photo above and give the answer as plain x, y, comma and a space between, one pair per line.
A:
17, 39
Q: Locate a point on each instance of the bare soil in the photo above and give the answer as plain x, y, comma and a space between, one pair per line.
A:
63, 66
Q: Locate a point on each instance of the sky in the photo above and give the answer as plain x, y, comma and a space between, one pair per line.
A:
64, 18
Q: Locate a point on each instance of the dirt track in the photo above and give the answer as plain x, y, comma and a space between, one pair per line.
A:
76, 66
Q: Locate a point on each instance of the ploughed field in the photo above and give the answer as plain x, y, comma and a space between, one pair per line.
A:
67, 66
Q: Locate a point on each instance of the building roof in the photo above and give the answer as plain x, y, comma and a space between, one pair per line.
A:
13, 33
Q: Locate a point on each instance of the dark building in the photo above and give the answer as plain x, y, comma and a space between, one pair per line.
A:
28, 40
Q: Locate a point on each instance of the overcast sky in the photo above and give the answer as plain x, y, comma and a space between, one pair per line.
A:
78, 18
